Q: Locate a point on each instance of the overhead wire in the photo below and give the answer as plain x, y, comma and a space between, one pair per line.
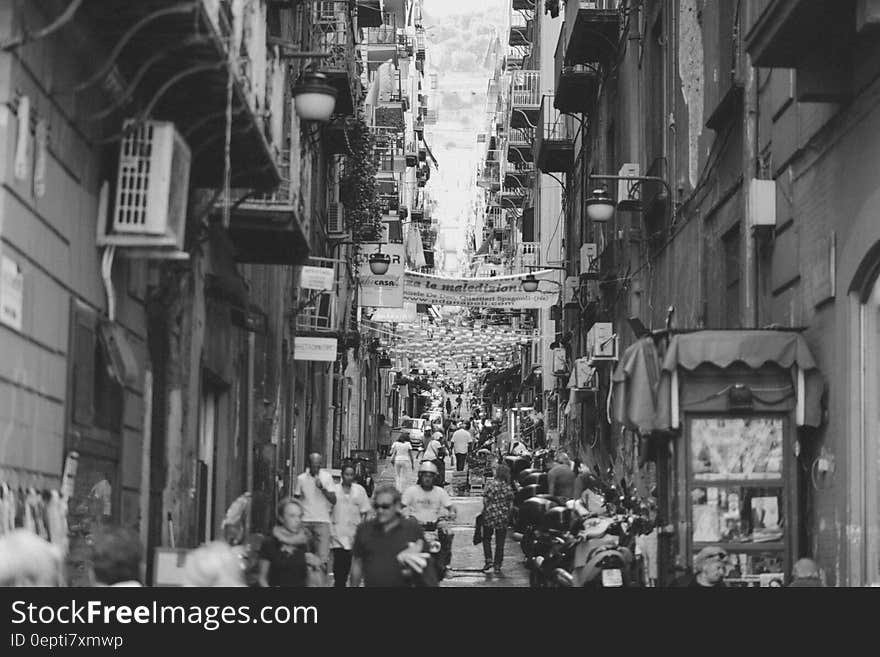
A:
107, 66
27, 37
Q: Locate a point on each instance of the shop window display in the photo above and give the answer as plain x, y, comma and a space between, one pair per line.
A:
737, 495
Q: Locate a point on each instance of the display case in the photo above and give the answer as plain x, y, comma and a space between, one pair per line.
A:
737, 495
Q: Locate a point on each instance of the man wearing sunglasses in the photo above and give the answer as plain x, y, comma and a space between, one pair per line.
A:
389, 547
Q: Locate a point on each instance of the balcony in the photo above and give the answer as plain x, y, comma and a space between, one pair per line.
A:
265, 228
512, 196
592, 31
520, 30
369, 13
519, 145
490, 177
524, 5
528, 254
381, 43
525, 98
190, 87
496, 217
554, 149
332, 32
816, 38
519, 174
576, 84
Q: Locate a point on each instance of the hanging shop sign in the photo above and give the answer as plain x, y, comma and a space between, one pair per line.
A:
406, 315
318, 278
495, 292
308, 348
382, 290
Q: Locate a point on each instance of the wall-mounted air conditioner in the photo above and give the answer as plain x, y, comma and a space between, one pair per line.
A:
152, 188
336, 220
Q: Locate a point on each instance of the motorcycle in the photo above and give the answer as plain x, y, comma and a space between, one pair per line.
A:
570, 546
439, 543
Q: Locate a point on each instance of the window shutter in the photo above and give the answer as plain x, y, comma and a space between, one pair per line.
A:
82, 360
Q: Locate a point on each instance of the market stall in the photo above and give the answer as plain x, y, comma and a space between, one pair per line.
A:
721, 416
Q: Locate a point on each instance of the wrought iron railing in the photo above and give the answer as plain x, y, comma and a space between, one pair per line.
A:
552, 126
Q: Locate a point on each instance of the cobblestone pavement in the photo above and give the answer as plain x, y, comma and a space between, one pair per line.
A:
467, 558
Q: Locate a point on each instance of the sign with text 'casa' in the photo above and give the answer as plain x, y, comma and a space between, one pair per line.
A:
382, 290
309, 348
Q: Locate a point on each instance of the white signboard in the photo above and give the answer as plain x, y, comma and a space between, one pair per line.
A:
306, 348
384, 290
318, 278
406, 315
492, 292
11, 293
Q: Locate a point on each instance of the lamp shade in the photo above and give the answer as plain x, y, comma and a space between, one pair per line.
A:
600, 207
314, 97
379, 263
529, 283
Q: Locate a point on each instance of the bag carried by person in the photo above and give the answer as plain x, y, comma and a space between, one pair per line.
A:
478, 529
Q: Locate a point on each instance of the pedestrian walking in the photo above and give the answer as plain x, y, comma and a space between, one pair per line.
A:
497, 504
315, 489
560, 479
286, 557
389, 546
383, 437
351, 508
435, 453
214, 564
116, 557
401, 456
461, 442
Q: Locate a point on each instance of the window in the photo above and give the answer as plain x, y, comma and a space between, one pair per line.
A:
737, 497
732, 276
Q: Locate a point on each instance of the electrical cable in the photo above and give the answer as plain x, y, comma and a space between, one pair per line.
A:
107, 66
27, 37
143, 115
138, 76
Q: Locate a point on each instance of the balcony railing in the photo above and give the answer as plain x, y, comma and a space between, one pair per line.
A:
525, 88
495, 217
553, 148
386, 35
521, 137
528, 254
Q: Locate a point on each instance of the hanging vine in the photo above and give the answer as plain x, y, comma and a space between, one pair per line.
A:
359, 190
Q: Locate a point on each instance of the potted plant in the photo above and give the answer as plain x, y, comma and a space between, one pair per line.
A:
358, 188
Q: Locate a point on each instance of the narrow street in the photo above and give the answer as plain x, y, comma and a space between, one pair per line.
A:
467, 558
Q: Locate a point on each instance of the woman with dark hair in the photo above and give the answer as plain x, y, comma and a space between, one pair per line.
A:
351, 508
497, 503
287, 557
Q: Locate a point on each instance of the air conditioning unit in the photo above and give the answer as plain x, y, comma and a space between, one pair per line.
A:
152, 188
336, 220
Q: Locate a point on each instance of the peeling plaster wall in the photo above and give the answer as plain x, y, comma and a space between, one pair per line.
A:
690, 70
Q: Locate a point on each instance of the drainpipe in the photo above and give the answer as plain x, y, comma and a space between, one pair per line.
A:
750, 150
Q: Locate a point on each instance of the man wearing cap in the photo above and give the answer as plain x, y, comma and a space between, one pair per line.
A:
710, 569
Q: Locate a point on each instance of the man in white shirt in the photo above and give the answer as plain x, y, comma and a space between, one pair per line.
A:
461, 442
433, 453
426, 502
315, 489
351, 508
